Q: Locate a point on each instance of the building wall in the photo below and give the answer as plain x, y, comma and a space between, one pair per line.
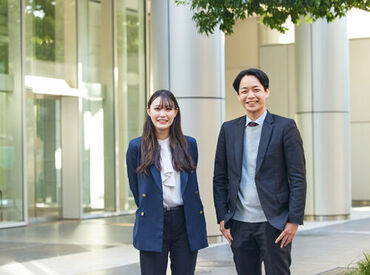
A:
251, 45
360, 117
241, 52
279, 62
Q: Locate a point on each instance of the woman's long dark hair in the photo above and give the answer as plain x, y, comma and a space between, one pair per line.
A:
150, 149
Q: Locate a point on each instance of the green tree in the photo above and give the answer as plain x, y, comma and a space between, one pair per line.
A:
209, 14
41, 14
4, 39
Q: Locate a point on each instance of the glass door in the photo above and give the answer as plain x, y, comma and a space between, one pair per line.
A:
45, 154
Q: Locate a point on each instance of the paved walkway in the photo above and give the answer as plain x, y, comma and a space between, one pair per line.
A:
103, 246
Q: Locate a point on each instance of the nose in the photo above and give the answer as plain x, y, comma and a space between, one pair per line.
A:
162, 112
250, 94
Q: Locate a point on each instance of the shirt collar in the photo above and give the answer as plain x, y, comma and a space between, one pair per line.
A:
259, 120
164, 141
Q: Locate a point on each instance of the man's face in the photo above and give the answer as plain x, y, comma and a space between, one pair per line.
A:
252, 96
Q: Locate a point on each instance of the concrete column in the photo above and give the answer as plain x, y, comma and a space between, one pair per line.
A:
322, 68
195, 65
159, 45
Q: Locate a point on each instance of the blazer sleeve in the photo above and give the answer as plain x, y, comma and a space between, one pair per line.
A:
295, 162
132, 161
195, 152
220, 178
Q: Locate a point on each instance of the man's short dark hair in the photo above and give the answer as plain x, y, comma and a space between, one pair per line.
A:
260, 75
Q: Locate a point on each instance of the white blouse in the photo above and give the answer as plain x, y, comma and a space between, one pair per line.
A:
171, 181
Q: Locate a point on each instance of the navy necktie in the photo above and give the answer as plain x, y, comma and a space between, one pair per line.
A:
252, 124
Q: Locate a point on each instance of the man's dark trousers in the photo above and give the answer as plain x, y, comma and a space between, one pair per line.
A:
255, 242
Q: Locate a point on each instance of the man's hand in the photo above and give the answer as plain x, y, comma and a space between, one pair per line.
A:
225, 232
288, 234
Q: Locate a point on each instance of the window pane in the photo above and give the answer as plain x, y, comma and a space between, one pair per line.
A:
130, 39
11, 180
50, 71
96, 54
50, 41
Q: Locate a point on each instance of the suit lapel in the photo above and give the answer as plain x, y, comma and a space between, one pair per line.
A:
239, 143
156, 176
265, 140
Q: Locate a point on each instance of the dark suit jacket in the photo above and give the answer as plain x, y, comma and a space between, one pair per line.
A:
148, 194
280, 170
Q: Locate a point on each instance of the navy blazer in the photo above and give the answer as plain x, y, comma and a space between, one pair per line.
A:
280, 170
148, 194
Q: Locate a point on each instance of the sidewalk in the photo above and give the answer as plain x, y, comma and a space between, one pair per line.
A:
103, 246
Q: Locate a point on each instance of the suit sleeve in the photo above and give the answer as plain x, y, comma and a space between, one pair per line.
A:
220, 178
195, 148
132, 161
295, 161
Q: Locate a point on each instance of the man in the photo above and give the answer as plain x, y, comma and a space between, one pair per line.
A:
259, 181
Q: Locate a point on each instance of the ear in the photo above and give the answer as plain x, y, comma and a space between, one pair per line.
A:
148, 111
238, 97
176, 110
267, 92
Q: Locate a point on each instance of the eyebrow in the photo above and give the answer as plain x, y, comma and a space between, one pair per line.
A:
254, 86
163, 105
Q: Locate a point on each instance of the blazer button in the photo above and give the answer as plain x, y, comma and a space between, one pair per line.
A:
201, 212
142, 213
143, 195
196, 192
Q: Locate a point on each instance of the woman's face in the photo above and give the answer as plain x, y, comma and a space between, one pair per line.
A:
162, 115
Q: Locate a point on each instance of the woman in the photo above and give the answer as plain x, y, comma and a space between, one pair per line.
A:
161, 170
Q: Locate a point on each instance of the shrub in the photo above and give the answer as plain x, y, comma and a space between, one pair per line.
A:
363, 267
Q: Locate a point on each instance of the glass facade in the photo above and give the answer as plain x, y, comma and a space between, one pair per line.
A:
130, 45
96, 81
93, 51
49, 63
44, 157
11, 121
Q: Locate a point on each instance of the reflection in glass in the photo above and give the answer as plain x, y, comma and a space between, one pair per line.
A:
50, 42
50, 47
11, 187
130, 39
96, 82
44, 158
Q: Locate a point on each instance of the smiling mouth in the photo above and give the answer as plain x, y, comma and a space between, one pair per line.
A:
252, 102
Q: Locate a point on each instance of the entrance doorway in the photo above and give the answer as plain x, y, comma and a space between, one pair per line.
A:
44, 157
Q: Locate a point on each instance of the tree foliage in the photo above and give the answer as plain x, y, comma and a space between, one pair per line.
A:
41, 15
4, 40
210, 14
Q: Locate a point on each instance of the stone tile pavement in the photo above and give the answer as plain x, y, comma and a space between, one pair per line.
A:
103, 246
